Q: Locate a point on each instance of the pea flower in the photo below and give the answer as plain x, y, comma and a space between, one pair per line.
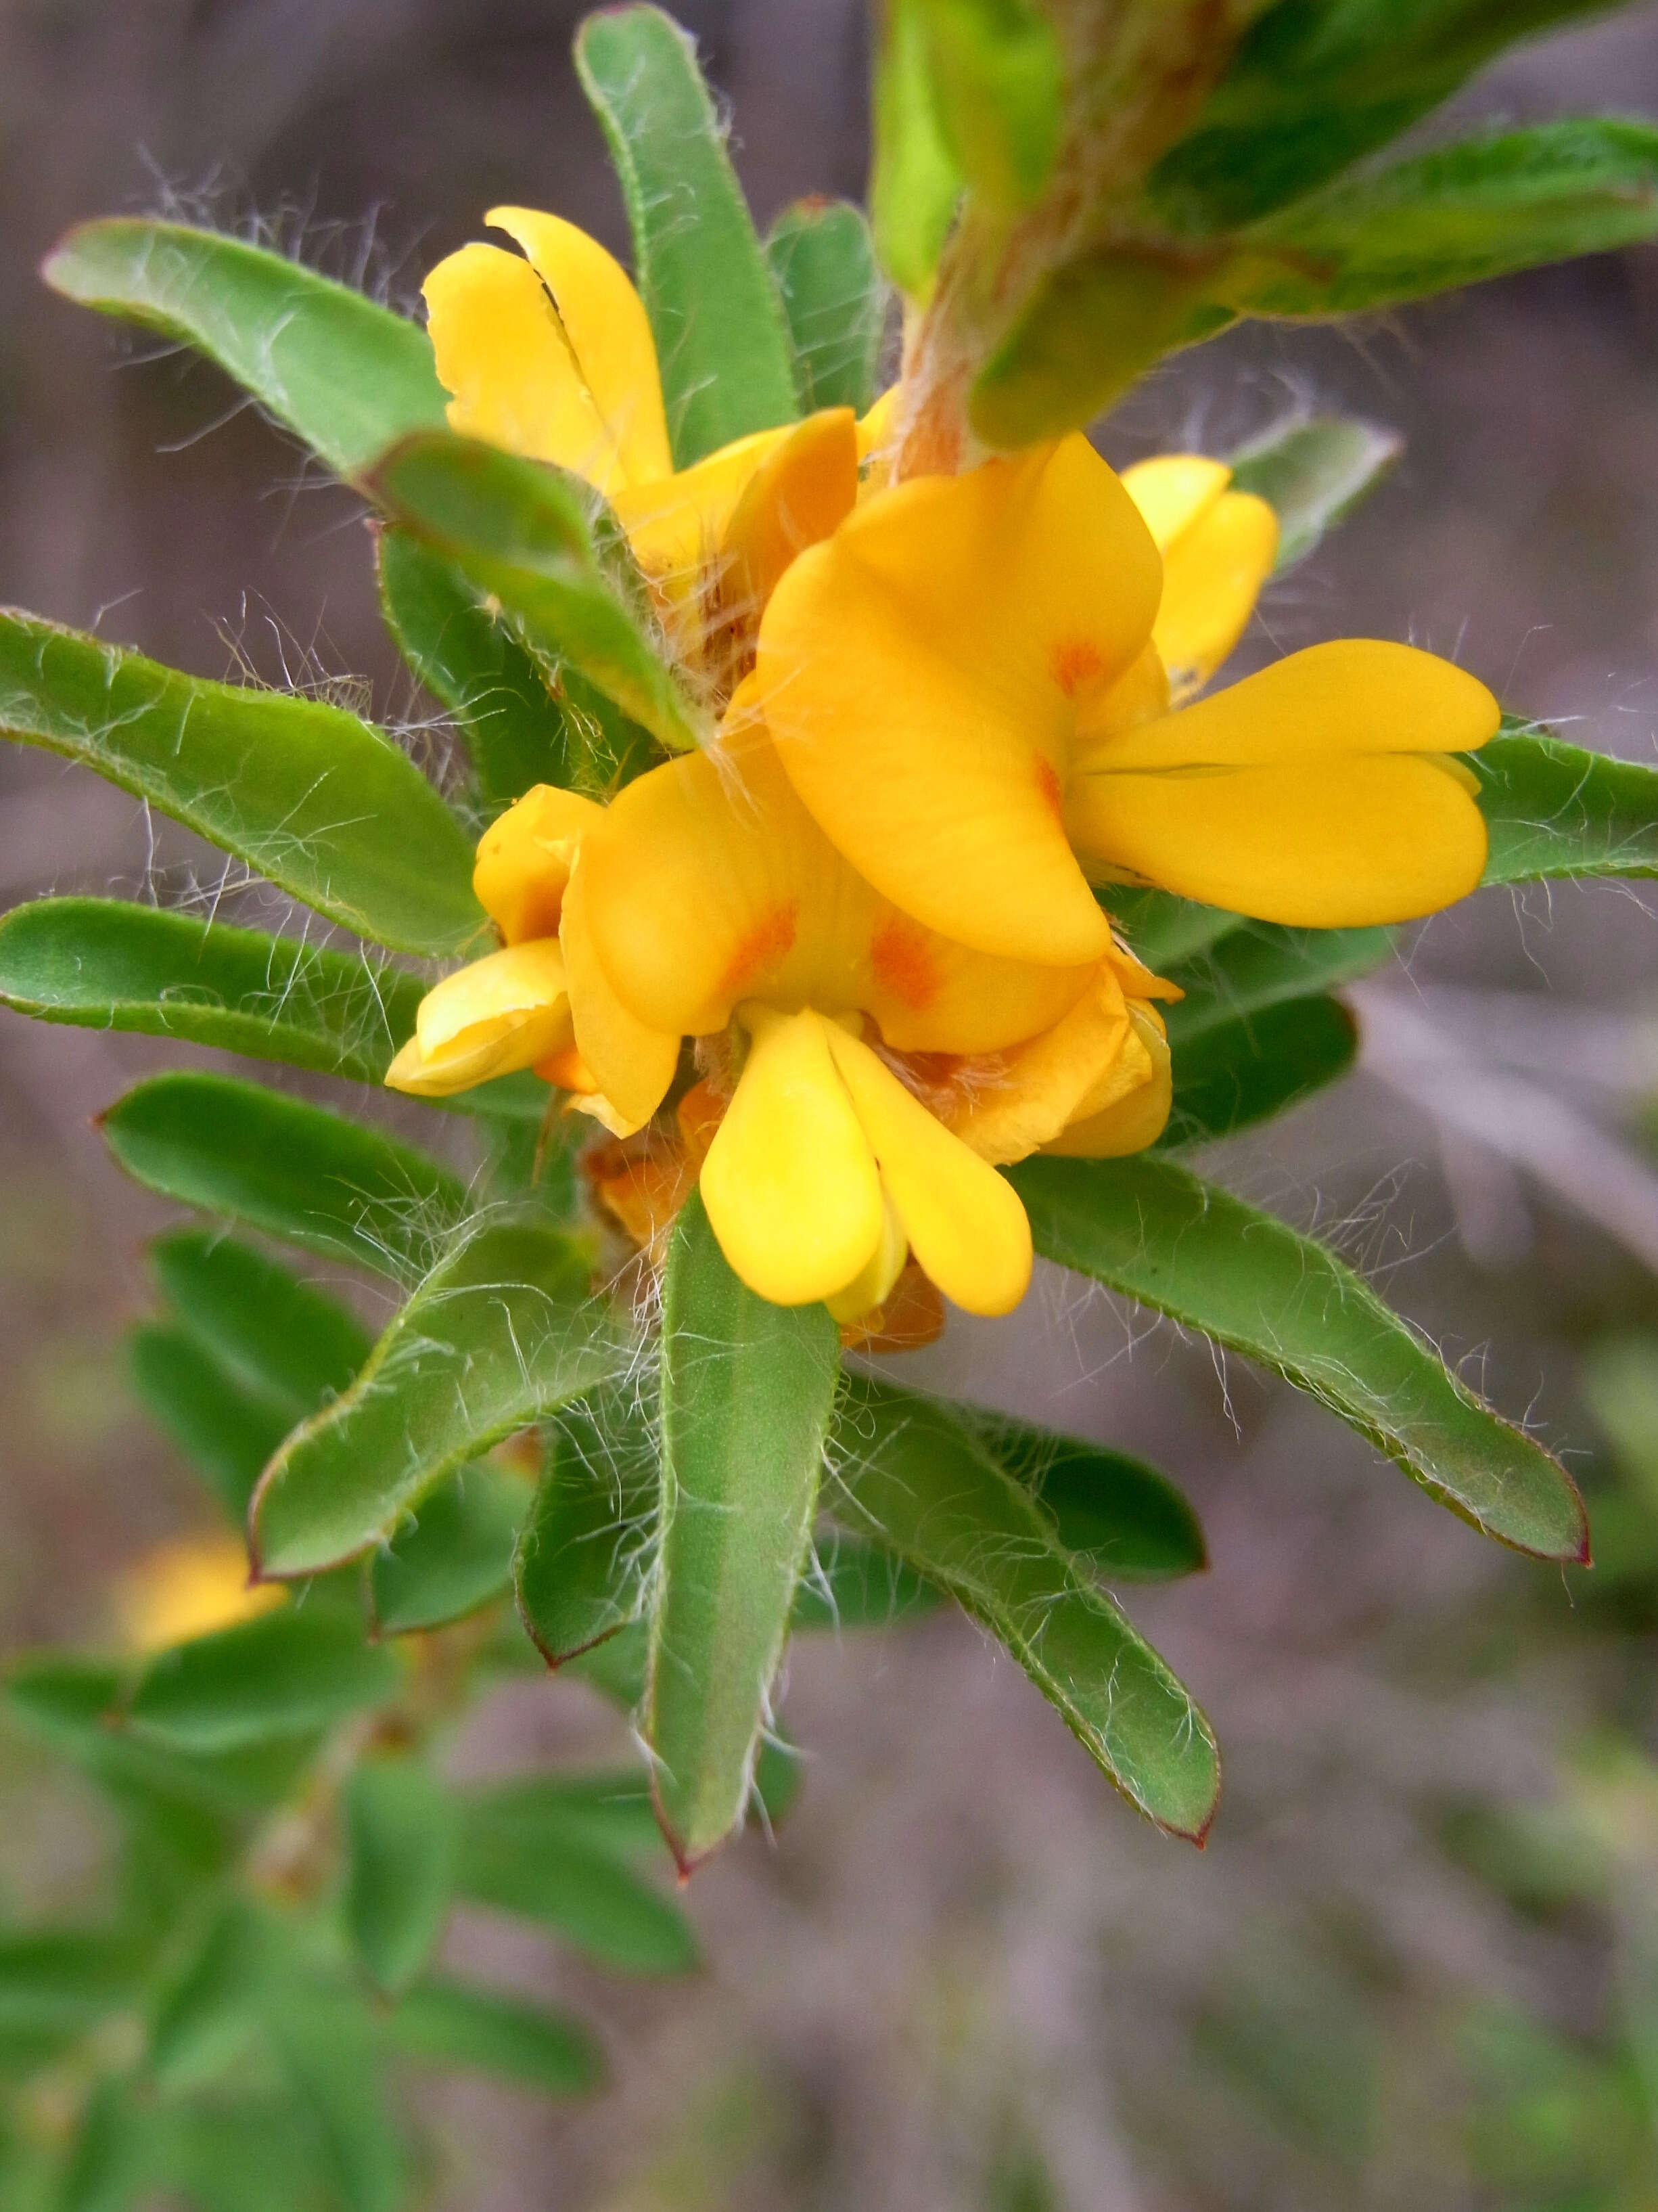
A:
869, 1073
966, 684
187, 1588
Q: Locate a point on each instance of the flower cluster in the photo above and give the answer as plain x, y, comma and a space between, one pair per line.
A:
952, 712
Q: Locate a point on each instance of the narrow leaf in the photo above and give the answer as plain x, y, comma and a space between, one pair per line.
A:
224, 1429
327, 2042
910, 1475
586, 1895
851, 1584
720, 335
451, 2024
312, 798
583, 1562
57, 1983
823, 262
1552, 809
1313, 473
608, 1811
272, 1331
1129, 1520
1257, 965
500, 1334
520, 727
1157, 1233
347, 375
1230, 1074
1164, 931
454, 1555
748, 1388
525, 534
298, 1173
401, 1834
1462, 213
110, 964
915, 182
284, 1674
206, 2011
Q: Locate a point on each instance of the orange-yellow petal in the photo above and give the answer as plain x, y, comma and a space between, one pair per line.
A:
1308, 795
1135, 1117
1022, 1099
921, 673
492, 1018
524, 858
632, 1063
676, 524
965, 1224
803, 489
1173, 491
502, 354
189, 1589
790, 1183
609, 333
1212, 576
869, 1290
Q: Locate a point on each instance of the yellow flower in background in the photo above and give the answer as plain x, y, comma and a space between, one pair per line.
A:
188, 1589
1217, 547
964, 686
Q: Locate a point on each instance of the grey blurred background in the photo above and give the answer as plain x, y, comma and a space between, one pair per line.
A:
962, 1975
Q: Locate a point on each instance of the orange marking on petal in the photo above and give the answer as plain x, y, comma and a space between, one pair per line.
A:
1048, 782
768, 941
1075, 661
903, 962
568, 1071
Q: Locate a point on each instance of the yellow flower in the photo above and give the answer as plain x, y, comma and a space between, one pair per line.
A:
964, 685
706, 902
549, 354
188, 1589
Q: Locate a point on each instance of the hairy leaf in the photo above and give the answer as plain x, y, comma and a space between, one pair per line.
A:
1312, 473
297, 1172
401, 1834
347, 375
849, 1583
307, 795
283, 1673
910, 1476
1552, 809
272, 1331
583, 1562
452, 2024
720, 335
524, 534
1234, 1073
1129, 1520
833, 294
748, 1388
225, 1429
454, 1555
500, 1334
1164, 931
1258, 964
1157, 1233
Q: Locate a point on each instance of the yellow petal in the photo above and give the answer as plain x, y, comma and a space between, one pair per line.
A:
675, 524
921, 674
965, 1225
1173, 491
609, 333
1137, 1116
1212, 577
789, 1183
1025, 1098
1308, 795
872, 1287
708, 883
875, 428
524, 858
189, 1589
501, 353
803, 489
632, 1063
493, 1018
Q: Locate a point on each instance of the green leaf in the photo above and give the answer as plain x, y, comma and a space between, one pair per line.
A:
583, 1562
1157, 1233
1312, 474
206, 2012
617, 1664
57, 1984
525, 534
314, 799
720, 335
521, 728
914, 183
402, 1834
910, 1476
823, 262
1314, 84
272, 1332
748, 1388
1257, 965
1234, 1073
451, 2024
110, 2158
226, 1431
500, 1334
348, 375
1553, 810
298, 1172
608, 1811
997, 78
328, 2043
1164, 931
851, 1584
284, 1674
1129, 1520
1462, 213
585, 1894
110, 964
455, 1555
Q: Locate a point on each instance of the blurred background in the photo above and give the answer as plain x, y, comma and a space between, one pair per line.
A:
1418, 1961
